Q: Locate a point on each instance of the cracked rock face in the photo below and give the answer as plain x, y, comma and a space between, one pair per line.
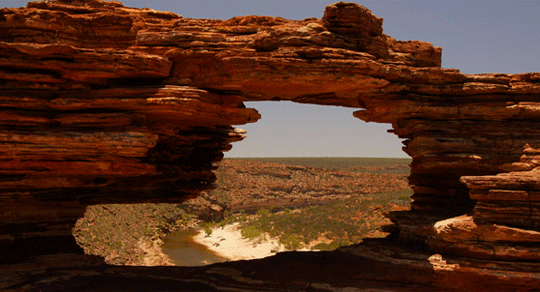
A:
102, 103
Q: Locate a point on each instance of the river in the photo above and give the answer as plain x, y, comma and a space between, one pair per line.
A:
184, 251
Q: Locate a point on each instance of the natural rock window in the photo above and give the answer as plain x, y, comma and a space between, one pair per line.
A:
79, 127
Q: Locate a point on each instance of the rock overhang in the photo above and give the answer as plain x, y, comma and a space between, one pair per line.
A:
103, 103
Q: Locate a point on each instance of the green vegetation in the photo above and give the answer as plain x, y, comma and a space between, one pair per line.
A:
207, 227
329, 226
117, 232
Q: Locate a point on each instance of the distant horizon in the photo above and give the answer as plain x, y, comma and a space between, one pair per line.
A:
270, 157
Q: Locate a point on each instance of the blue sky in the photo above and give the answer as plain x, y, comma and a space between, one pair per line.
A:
476, 37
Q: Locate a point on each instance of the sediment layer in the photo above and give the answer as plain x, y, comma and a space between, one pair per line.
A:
101, 103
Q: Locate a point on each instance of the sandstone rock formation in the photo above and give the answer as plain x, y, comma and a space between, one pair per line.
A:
102, 103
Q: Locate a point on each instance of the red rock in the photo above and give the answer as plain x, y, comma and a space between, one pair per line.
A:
102, 103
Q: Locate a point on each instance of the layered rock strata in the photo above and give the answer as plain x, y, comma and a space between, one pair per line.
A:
102, 103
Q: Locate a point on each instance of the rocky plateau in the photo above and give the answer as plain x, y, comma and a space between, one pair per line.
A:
247, 185
102, 103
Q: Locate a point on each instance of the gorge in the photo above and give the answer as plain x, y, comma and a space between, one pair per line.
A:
103, 103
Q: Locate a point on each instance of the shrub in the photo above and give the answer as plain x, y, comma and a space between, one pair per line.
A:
207, 227
263, 212
251, 232
328, 246
291, 241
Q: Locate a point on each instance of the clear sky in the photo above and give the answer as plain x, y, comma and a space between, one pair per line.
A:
487, 36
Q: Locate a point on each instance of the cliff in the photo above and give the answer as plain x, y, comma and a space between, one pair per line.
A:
101, 103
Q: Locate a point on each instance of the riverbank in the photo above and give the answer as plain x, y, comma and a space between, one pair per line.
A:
228, 242
130, 234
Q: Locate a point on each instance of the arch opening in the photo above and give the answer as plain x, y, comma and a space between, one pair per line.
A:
289, 129
259, 191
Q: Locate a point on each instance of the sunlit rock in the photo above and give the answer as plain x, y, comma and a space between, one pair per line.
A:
107, 104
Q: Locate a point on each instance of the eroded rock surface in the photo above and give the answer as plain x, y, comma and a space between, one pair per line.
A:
101, 103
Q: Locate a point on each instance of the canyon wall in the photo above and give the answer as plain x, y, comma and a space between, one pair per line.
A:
101, 103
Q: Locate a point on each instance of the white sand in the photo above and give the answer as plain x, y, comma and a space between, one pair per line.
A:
229, 243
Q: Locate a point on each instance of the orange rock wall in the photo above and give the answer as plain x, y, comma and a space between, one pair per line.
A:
106, 104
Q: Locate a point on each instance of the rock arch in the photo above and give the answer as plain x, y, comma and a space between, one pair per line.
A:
107, 104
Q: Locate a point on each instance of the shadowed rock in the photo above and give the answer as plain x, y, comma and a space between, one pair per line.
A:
102, 103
